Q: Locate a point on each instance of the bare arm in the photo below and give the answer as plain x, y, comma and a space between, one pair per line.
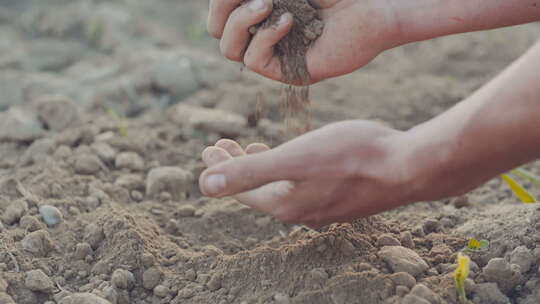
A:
425, 19
492, 131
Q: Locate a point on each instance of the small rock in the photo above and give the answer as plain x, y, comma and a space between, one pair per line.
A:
88, 164
418, 231
404, 279
407, 239
19, 125
401, 290
387, 240
161, 291
104, 151
190, 275
82, 250
488, 293
129, 160
30, 223
214, 283
14, 212
83, 298
63, 152
51, 215
38, 151
123, 279
110, 294
137, 195
3, 285
38, 242
208, 120
37, 280
175, 75
94, 235
130, 181
422, 291
174, 180
523, 257
281, 298
431, 225
401, 259
506, 275
6, 299
151, 278
57, 112
412, 299
186, 211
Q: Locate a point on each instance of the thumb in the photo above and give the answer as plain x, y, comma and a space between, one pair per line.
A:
246, 173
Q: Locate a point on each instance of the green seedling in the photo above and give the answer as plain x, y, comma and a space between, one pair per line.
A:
476, 245
460, 275
523, 195
121, 123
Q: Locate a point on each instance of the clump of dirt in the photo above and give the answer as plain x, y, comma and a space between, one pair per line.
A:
291, 52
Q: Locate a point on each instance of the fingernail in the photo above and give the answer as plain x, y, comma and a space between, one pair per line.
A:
257, 5
215, 184
282, 19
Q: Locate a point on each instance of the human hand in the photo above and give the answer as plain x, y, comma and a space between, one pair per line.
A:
338, 173
355, 32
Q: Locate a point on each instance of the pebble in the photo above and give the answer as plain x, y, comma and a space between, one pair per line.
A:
190, 275
506, 275
186, 211
418, 231
104, 151
94, 235
37, 280
401, 290
488, 293
401, 259
123, 279
57, 112
137, 195
88, 164
110, 294
431, 225
387, 240
174, 180
281, 298
412, 299
3, 285
422, 291
30, 223
217, 121
407, 239
130, 181
129, 160
175, 74
14, 212
151, 278
38, 242
63, 152
6, 299
38, 151
82, 250
19, 125
51, 215
523, 257
404, 279
161, 291
83, 298
214, 283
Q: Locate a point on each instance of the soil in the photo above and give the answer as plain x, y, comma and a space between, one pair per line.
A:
292, 51
97, 207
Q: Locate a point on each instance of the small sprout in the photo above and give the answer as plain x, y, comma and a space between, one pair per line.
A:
121, 123
460, 275
475, 245
527, 175
518, 190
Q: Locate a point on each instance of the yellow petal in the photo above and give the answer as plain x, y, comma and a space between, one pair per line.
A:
463, 266
518, 190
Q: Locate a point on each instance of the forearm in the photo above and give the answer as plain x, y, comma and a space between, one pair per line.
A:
494, 130
425, 19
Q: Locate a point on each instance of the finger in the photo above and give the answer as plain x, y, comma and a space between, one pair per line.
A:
256, 148
249, 172
218, 14
230, 146
236, 33
214, 155
259, 56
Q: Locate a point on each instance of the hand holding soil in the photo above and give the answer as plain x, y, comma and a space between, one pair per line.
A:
354, 33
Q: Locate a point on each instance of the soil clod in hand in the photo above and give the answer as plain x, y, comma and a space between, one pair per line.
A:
291, 52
